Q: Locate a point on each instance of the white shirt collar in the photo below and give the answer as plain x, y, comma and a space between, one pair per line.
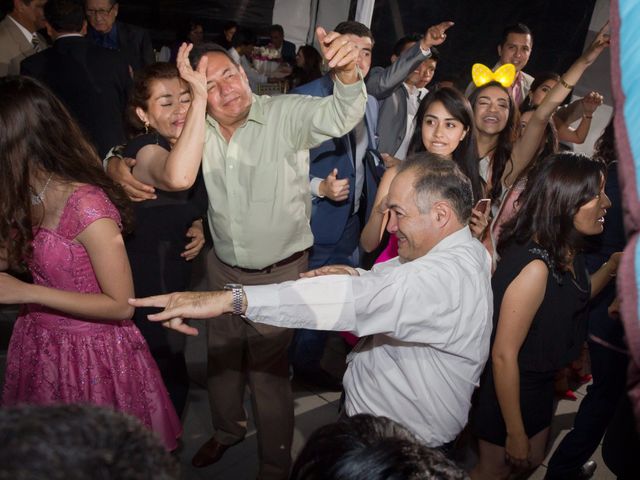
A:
65, 35
28, 35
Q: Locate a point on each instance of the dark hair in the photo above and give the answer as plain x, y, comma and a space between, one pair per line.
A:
37, 134
229, 25
65, 15
441, 178
187, 26
244, 36
556, 189
519, 28
69, 442
605, 146
277, 28
141, 92
537, 83
354, 28
502, 152
202, 49
364, 447
310, 70
466, 154
435, 54
400, 44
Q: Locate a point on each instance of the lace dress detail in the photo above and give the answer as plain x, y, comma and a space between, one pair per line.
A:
56, 358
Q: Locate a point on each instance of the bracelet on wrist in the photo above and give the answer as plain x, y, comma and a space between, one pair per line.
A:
589, 117
565, 84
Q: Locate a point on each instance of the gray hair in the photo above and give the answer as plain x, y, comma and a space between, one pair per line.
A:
439, 179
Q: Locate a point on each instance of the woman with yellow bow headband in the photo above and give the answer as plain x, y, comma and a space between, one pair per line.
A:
505, 158
514, 410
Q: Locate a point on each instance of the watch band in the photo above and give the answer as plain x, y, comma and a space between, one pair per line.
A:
237, 293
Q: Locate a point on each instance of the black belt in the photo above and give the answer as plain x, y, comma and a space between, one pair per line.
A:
268, 268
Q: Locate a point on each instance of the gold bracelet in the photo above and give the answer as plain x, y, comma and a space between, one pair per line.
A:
565, 84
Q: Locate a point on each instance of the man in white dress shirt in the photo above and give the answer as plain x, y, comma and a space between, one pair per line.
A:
425, 316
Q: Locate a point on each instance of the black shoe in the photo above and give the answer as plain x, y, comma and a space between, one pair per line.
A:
587, 470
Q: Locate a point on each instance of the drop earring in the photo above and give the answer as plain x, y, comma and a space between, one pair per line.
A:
146, 127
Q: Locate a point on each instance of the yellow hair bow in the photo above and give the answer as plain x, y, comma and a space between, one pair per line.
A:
505, 75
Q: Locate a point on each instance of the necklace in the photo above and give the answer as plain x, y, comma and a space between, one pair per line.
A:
37, 198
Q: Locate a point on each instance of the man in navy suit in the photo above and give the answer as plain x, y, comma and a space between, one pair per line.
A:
287, 49
343, 189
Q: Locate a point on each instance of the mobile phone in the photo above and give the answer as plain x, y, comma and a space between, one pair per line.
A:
483, 204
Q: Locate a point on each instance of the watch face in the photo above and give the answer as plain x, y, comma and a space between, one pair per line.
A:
231, 286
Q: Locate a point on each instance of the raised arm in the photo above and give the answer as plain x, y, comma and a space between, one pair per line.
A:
313, 120
525, 149
177, 169
589, 105
105, 246
382, 81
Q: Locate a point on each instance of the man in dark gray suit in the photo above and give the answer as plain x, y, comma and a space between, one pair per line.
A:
415, 62
91, 81
134, 42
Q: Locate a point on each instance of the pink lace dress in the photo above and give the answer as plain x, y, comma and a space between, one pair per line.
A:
54, 358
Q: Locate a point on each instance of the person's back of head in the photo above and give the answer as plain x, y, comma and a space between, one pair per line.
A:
365, 447
76, 442
65, 16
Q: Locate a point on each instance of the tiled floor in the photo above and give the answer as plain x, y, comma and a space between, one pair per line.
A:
313, 409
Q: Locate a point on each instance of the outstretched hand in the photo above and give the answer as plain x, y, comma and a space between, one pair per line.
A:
435, 35
331, 270
340, 53
182, 305
602, 41
197, 79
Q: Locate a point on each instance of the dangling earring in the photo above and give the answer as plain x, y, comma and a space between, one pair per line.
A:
146, 127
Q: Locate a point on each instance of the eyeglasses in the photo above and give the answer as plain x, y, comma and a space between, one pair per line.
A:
100, 13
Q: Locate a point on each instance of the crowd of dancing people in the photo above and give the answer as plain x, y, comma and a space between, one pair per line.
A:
461, 248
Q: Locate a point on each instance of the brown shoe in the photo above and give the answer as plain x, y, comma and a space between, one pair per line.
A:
209, 453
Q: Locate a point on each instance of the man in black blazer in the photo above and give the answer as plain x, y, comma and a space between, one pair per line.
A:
91, 81
134, 42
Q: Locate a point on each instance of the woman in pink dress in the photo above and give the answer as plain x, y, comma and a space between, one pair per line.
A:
74, 341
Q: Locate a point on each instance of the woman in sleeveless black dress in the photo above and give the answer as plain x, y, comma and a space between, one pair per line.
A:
541, 289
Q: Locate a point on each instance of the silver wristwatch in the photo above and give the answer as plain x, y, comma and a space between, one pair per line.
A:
238, 297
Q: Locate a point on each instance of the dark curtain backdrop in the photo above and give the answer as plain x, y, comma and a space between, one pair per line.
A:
559, 28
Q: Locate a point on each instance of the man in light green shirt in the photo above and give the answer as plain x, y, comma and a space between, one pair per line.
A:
256, 171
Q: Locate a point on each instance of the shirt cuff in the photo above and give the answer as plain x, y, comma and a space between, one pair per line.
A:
426, 53
350, 89
315, 187
259, 296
